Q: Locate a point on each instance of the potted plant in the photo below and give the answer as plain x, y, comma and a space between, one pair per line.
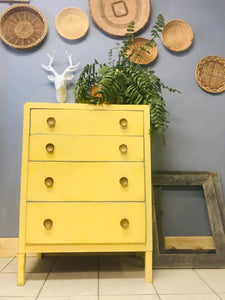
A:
121, 81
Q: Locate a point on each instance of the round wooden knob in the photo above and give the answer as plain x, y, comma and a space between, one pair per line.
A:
50, 148
49, 181
124, 181
123, 123
48, 223
123, 148
51, 121
124, 223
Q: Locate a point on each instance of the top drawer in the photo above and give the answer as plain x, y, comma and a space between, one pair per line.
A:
86, 122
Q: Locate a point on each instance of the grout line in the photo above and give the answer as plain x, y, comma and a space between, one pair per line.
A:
8, 264
156, 291
206, 283
154, 286
38, 294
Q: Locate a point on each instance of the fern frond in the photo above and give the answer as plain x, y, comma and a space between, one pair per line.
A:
123, 82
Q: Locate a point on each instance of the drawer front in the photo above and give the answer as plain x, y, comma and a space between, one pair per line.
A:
83, 223
86, 122
85, 148
86, 181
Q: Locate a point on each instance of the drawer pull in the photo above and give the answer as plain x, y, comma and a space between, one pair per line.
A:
123, 123
49, 181
124, 223
50, 148
51, 121
124, 181
48, 223
123, 148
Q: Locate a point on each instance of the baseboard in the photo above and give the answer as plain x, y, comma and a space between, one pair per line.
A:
9, 246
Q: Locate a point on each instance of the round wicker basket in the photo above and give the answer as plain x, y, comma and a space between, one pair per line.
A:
22, 26
177, 35
113, 16
72, 23
146, 57
210, 74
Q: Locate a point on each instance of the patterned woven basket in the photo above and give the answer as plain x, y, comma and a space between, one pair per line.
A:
145, 57
22, 26
177, 35
113, 16
72, 23
210, 74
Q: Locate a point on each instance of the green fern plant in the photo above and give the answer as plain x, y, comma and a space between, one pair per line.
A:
121, 81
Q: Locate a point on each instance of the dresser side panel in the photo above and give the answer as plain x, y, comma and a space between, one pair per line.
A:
148, 185
24, 175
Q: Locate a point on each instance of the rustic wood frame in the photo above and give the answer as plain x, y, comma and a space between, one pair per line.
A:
190, 258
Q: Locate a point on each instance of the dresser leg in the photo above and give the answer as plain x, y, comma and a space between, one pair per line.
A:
21, 269
39, 255
148, 266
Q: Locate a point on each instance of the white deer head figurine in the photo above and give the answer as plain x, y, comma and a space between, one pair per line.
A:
60, 79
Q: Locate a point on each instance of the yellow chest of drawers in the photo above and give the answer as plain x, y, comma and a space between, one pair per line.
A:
86, 181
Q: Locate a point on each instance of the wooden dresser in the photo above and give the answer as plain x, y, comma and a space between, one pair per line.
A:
86, 181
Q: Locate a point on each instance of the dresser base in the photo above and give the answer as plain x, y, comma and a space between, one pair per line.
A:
22, 258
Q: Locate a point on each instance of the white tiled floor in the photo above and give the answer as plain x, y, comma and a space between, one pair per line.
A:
106, 278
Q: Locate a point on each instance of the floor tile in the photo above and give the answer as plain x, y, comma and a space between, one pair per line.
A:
123, 275
222, 296
33, 265
190, 297
4, 261
75, 263
8, 287
50, 298
84, 298
121, 262
214, 277
124, 284
67, 298
130, 297
179, 281
18, 298
71, 284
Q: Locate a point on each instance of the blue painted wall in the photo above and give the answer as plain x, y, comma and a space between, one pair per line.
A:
196, 134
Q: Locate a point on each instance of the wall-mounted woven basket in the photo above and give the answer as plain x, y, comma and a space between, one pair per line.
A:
146, 57
72, 23
22, 26
210, 74
177, 35
113, 16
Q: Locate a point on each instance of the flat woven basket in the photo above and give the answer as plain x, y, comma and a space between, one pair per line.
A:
210, 74
140, 56
113, 16
22, 26
72, 23
177, 35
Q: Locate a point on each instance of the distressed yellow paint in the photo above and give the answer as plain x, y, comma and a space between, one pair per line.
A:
82, 181
85, 148
75, 199
94, 121
85, 223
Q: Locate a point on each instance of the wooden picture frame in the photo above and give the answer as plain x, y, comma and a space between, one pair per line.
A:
189, 258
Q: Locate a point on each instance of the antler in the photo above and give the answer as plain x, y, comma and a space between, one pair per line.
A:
49, 67
71, 67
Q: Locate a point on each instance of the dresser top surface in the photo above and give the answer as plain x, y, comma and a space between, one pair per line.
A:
78, 106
